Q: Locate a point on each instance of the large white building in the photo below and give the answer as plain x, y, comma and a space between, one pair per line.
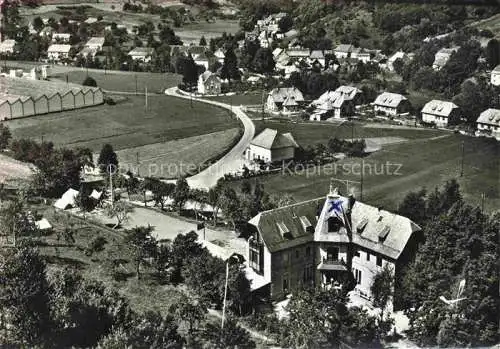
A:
271, 146
440, 113
488, 123
391, 104
328, 242
338, 104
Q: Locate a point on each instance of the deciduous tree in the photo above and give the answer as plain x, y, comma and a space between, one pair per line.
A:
142, 245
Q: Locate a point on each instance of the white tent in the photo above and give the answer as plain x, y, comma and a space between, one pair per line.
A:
67, 199
43, 224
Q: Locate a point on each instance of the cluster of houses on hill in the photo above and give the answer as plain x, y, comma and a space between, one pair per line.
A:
345, 101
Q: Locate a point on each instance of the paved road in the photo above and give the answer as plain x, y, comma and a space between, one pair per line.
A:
231, 162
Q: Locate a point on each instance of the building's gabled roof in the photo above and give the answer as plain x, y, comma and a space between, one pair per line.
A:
439, 108
397, 55
271, 139
219, 54
388, 99
270, 225
346, 48
208, 74
280, 94
141, 51
59, 48
490, 117
375, 229
348, 91
95, 41
317, 54
496, 70
297, 52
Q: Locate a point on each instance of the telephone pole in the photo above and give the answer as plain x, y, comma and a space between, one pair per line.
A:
462, 161
146, 94
110, 170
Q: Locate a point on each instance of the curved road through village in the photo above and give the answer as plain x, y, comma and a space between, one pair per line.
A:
233, 160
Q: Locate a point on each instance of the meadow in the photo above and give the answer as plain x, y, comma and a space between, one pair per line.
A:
123, 81
426, 158
156, 133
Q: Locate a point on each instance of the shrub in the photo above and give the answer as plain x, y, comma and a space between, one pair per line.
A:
95, 245
109, 101
89, 81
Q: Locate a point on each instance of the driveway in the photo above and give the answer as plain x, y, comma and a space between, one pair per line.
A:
233, 161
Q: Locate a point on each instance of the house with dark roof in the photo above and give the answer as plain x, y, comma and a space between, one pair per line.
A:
488, 123
334, 241
284, 99
440, 113
391, 104
271, 146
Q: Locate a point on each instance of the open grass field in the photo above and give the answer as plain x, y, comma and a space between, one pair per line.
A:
127, 126
240, 99
34, 88
426, 159
124, 81
310, 133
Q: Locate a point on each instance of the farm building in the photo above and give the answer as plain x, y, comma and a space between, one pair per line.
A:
440, 113
284, 99
488, 123
391, 104
271, 146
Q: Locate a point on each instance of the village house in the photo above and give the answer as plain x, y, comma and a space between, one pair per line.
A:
391, 104
58, 52
7, 47
61, 38
488, 123
46, 32
142, 54
361, 54
495, 76
219, 55
95, 44
201, 59
284, 99
440, 113
327, 242
209, 83
271, 146
389, 64
317, 56
343, 50
442, 57
338, 104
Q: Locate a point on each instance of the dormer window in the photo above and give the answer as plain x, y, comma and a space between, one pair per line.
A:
362, 225
284, 231
334, 224
306, 224
383, 234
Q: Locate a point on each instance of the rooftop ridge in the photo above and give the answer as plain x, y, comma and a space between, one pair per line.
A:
289, 206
